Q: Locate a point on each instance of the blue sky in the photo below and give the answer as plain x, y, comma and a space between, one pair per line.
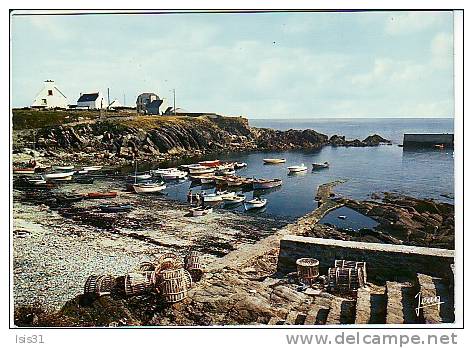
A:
267, 65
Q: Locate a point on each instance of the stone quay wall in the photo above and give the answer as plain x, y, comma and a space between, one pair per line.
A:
386, 261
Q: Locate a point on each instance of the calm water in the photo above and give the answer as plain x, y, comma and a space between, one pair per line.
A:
420, 173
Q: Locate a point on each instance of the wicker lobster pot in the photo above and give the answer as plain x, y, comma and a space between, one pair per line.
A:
168, 261
147, 266
193, 265
100, 285
307, 270
173, 284
358, 267
139, 282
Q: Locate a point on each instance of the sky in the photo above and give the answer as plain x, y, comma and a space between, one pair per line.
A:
265, 65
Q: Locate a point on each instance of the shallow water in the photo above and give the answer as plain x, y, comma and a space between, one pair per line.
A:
352, 219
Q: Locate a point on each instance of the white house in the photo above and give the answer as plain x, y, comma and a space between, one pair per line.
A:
50, 97
92, 101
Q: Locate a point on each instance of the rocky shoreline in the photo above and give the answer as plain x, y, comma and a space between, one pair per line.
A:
157, 139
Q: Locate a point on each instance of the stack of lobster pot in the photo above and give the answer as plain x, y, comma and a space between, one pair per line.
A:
307, 270
172, 280
347, 276
140, 282
99, 285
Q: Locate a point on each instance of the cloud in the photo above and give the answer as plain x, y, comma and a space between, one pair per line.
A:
442, 50
50, 26
400, 23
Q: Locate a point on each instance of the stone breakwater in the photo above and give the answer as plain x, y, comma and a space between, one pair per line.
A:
163, 138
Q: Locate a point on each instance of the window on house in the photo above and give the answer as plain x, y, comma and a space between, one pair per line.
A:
44, 101
50, 92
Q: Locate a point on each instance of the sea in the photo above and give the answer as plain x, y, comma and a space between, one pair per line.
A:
422, 173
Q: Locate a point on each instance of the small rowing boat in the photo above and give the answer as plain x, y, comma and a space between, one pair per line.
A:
320, 165
201, 170
115, 208
200, 211
240, 165
99, 195
63, 167
262, 184
236, 199
149, 187
255, 203
274, 160
174, 175
92, 168
57, 175
297, 169
214, 163
140, 176
24, 171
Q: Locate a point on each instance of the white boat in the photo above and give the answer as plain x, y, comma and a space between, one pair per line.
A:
162, 171
211, 197
297, 169
320, 165
255, 203
199, 211
148, 187
207, 180
23, 170
239, 198
66, 178
142, 176
201, 170
57, 175
274, 160
239, 165
92, 168
67, 167
226, 194
176, 175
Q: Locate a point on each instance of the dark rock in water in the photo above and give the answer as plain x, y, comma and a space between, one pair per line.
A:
375, 139
372, 140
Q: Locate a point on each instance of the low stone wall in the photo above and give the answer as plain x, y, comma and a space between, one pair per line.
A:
385, 261
420, 140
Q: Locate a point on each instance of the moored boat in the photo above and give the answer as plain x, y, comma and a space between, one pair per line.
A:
115, 208
255, 203
69, 198
99, 195
174, 175
201, 169
214, 163
261, 184
240, 165
274, 160
63, 167
236, 199
57, 175
92, 168
140, 176
297, 169
150, 187
320, 165
200, 211
24, 171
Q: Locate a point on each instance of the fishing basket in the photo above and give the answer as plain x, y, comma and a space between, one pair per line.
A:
168, 261
193, 265
100, 285
139, 282
307, 270
174, 284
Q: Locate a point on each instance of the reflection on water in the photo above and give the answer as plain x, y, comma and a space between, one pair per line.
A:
347, 218
419, 173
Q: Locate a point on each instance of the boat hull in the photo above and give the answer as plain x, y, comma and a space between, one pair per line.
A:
139, 188
255, 205
55, 176
264, 185
274, 160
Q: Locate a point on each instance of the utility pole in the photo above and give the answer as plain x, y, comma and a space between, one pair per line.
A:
108, 97
174, 93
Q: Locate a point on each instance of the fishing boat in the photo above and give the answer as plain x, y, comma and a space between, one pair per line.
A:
149, 187
63, 167
200, 211
201, 170
274, 160
236, 199
24, 171
99, 195
115, 208
226, 194
255, 203
214, 163
66, 178
174, 175
225, 172
210, 180
211, 197
240, 165
92, 168
320, 165
69, 198
140, 176
234, 182
162, 171
57, 175
297, 169
262, 184
342, 217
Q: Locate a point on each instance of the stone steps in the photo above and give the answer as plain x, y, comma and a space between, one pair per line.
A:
432, 287
370, 306
342, 311
401, 303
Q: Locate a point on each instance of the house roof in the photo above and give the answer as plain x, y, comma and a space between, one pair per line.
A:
155, 103
87, 97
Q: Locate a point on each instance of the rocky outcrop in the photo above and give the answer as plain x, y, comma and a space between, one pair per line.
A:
164, 138
372, 140
411, 221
